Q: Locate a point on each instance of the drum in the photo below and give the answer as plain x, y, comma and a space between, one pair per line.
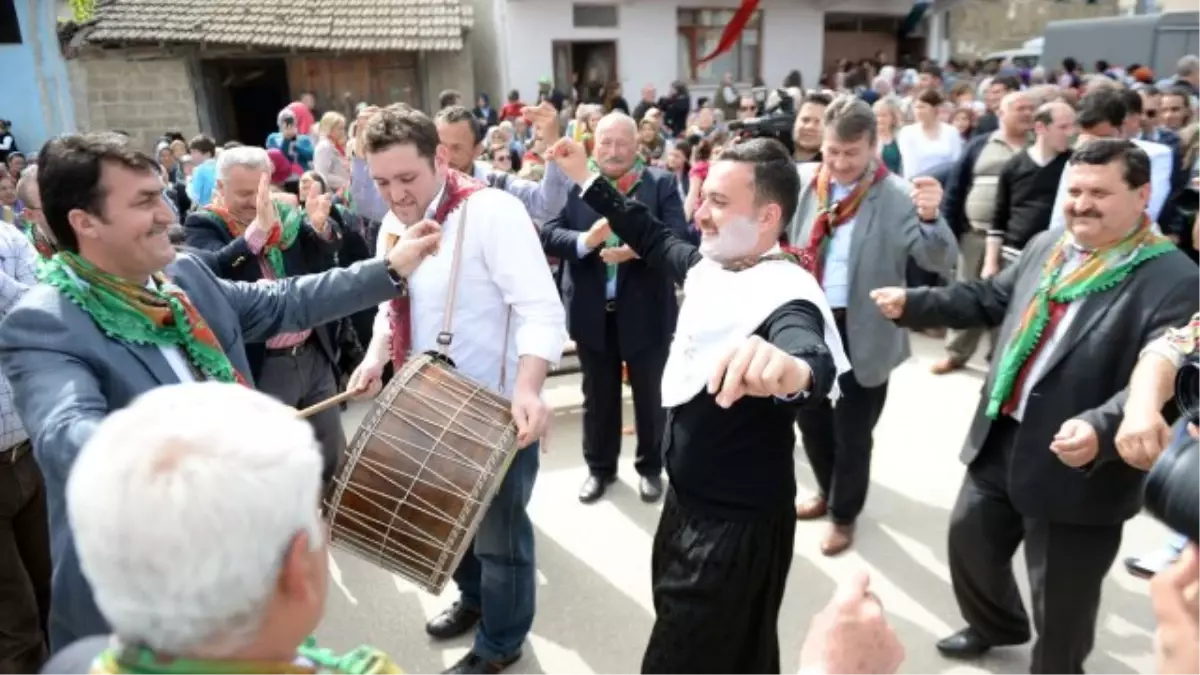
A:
421, 471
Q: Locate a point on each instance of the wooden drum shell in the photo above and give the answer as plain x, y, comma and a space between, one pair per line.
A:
421, 471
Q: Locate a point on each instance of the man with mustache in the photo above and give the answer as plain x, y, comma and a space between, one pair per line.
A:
855, 228
1042, 466
754, 341
619, 309
118, 313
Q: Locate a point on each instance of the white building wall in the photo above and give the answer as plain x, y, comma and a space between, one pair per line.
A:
647, 41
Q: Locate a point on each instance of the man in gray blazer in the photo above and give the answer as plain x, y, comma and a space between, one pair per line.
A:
851, 251
70, 363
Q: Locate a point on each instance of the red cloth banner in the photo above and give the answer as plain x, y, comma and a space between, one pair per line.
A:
733, 30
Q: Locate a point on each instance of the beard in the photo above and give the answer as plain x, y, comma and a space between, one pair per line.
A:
733, 241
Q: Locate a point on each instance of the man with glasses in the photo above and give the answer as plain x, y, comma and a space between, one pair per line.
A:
34, 219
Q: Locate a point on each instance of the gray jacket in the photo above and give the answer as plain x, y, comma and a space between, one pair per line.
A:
67, 375
886, 232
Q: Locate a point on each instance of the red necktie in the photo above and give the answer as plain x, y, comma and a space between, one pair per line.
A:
1057, 311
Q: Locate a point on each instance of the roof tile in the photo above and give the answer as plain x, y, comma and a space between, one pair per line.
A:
318, 25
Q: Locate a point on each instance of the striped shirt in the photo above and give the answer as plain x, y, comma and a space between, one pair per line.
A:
256, 244
18, 260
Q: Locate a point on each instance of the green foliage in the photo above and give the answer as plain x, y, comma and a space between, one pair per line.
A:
83, 10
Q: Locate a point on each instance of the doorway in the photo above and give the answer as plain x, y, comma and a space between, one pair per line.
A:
248, 93
587, 66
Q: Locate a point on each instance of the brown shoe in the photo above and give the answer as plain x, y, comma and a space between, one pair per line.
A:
811, 508
947, 365
837, 539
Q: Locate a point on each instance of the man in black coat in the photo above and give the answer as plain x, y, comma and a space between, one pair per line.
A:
618, 310
254, 239
1042, 467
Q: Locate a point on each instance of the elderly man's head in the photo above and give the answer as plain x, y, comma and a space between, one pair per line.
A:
203, 540
239, 172
616, 144
1016, 112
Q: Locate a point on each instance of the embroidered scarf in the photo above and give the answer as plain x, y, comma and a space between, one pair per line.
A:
627, 184
458, 187
139, 315
309, 659
1102, 270
282, 236
44, 245
831, 215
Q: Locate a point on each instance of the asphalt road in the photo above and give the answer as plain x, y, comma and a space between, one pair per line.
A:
594, 603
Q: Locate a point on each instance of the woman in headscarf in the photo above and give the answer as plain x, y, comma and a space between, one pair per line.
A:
303, 116
330, 158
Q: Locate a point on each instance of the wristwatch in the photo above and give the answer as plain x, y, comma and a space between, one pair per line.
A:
398, 281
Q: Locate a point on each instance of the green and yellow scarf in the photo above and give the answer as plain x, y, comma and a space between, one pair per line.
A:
280, 239
309, 659
139, 315
627, 184
1103, 269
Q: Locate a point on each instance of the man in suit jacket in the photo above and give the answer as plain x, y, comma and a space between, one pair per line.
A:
298, 368
105, 326
1042, 466
618, 310
856, 226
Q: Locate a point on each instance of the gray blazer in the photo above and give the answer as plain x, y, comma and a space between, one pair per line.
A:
67, 375
886, 232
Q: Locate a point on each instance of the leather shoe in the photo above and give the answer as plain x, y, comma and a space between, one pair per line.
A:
593, 488
453, 621
965, 644
474, 663
811, 508
946, 366
837, 539
650, 488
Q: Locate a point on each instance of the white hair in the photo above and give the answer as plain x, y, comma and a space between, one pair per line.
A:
249, 156
182, 506
27, 183
617, 120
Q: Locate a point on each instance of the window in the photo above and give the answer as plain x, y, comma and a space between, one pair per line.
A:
700, 31
594, 16
10, 27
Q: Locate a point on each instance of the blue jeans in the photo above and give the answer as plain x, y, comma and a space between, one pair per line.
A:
497, 575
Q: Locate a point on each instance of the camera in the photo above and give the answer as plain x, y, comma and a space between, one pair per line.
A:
1172, 490
776, 122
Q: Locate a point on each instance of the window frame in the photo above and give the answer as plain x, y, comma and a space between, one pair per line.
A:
692, 33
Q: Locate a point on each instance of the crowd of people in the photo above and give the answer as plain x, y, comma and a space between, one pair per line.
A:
743, 282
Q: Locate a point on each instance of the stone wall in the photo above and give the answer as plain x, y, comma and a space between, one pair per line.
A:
451, 70
979, 27
142, 96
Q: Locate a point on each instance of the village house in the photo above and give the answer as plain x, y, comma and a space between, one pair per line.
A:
638, 42
227, 67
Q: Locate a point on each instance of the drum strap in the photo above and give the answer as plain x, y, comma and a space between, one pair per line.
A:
447, 335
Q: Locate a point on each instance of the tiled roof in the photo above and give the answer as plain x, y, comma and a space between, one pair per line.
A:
309, 25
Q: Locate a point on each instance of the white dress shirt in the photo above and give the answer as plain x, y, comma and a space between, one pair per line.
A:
503, 269
18, 263
836, 268
1161, 165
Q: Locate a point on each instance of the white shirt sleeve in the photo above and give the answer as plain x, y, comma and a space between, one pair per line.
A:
382, 329
517, 265
1058, 220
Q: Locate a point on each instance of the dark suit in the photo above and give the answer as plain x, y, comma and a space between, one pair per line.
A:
1015, 488
299, 376
634, 327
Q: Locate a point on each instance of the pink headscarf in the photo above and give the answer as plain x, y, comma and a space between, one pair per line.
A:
304, 117
281, 168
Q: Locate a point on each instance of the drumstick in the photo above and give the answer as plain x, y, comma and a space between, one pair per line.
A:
326, 404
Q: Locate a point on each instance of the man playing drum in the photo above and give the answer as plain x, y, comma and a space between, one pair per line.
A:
508, 318
204, 541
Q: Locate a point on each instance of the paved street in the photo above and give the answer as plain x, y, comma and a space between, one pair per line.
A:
594, 604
